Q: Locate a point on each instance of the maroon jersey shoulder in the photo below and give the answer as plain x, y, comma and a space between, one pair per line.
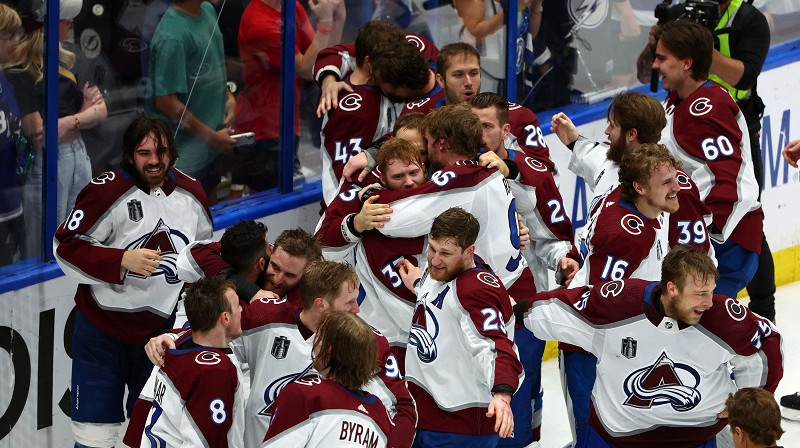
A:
268, 311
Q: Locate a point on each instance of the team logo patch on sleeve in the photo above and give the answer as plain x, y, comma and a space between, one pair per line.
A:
700, 106
683, 180
207, 358
735, 309
612, 288
489, 279
135, 212
280, 346
632, 224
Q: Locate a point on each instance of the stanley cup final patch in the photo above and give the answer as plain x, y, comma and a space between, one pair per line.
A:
135, 212
629, 347
280, 346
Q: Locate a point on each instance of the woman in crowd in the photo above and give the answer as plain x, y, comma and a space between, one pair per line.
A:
78, 108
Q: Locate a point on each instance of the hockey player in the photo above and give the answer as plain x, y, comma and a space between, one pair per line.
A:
461, 328
459, 67
198, 398
633, 118
663, 352
535, 191
708, 133
754, 418
292, 251
367, 113
277, 346
541, 207
333, 64
453, 135
385, 303
121, 242
335, 409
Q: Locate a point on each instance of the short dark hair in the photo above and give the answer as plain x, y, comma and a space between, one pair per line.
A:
374, 36
457, 125
457, 224
243, 244
756, 411
634, 110
486, 100
398, 149
682, 261
451, 51
689, 40
299, 243
325, 279
401, 65
638, 165
138, 130
205, 300
347, 347
413, 120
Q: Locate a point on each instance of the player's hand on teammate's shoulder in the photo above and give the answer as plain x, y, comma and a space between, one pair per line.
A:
373, 214
263, 294
329, 99
355, 164
157, 346
490, 159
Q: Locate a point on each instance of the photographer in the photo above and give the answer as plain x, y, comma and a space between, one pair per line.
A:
741, 42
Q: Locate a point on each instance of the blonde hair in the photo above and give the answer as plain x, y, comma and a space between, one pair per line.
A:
10, 22
29, 55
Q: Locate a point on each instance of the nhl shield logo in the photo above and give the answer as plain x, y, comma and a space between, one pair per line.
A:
629, 347
135, 212
280, 347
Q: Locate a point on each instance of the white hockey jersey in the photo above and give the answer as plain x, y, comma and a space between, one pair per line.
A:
462, 328
320, 413
198, 400
113, 214
660, 383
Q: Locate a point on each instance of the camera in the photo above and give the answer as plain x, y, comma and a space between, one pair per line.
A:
703, 12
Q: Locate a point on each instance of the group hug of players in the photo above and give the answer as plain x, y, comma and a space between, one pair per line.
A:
443, 230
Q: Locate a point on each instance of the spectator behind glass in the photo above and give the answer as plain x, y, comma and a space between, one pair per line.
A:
78, 108
12, 224
196, 102
257, 108
754, 418
483, 29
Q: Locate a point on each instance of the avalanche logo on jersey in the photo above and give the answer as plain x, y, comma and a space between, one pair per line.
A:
663, 382
424, 330
274, 388
683, 181
162, 238
612, 289
632, 224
